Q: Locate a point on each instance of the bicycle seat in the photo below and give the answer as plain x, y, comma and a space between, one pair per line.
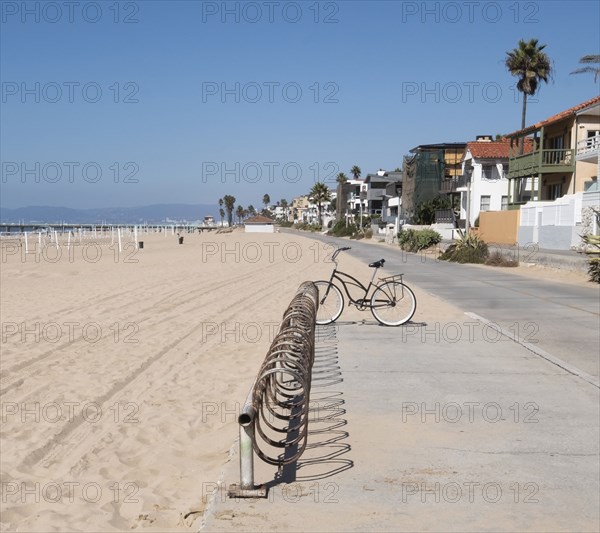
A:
377, 264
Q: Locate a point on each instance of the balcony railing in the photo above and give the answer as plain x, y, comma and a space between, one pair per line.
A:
375, 194
542, 161
590, 145
450, 185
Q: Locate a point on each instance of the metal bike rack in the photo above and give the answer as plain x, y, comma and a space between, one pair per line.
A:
273, 422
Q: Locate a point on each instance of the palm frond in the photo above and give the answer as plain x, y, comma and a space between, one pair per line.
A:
590, 59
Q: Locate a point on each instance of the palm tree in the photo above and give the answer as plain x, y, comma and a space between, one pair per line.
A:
229, 202
341, 196
586, 60
251, 210
355, 171
240, 213
266, 200
221, 210
320, 194
531, 65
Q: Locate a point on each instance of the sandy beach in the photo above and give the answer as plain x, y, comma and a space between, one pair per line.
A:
122, 374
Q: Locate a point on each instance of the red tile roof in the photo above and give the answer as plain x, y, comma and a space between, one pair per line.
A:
559, 116
258, 219
489, 149
495, 149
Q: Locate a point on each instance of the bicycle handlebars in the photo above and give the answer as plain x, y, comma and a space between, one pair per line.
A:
335, 254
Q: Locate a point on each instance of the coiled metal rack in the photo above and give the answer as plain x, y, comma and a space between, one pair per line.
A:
274, 419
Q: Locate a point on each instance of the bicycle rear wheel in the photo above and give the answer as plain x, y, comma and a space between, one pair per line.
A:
331, 302
393, 303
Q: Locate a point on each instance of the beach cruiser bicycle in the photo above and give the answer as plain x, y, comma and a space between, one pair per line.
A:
390, 300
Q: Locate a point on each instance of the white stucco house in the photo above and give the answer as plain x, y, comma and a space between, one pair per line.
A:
259, 224
486, 162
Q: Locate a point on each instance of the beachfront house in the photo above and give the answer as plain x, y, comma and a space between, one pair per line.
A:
280, 212
383, 199
300, 208
377, 185
553, 182
483, 183
356, 200
562, 157
327, 211
424, 171
392, 203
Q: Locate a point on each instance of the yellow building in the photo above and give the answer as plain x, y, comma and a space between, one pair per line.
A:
556, 156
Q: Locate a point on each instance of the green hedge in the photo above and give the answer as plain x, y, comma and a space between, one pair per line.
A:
309, 227
340, 229
414, 240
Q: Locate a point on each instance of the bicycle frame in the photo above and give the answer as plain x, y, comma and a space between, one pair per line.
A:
336, 274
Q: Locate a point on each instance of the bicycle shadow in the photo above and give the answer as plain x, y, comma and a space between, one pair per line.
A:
372, 322
327, 440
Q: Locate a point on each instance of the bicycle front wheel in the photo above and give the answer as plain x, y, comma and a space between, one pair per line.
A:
393, 303
331, 302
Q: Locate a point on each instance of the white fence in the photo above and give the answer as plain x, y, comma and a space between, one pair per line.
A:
565, 211
558, 225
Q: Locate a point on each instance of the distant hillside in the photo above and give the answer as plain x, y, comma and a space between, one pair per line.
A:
109, 215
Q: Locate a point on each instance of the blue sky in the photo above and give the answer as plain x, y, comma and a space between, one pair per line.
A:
133, 103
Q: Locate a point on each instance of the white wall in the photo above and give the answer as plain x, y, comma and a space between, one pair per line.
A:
564, 211
259, 228
496, 188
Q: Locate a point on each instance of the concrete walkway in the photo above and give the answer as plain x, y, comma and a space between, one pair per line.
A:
418, 432
555, 318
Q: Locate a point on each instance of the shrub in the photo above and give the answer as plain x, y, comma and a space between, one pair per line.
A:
285, 224
425, 211
340, 229
469, 248
368, 234
498, 259
309, 227
593, 252
414, 240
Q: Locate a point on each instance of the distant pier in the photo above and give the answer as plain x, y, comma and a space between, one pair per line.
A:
14, 229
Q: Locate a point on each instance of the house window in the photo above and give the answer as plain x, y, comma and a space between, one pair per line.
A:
557, 154
487, 172
485, 203
555, 191
504, 206
557, 143
490, 173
